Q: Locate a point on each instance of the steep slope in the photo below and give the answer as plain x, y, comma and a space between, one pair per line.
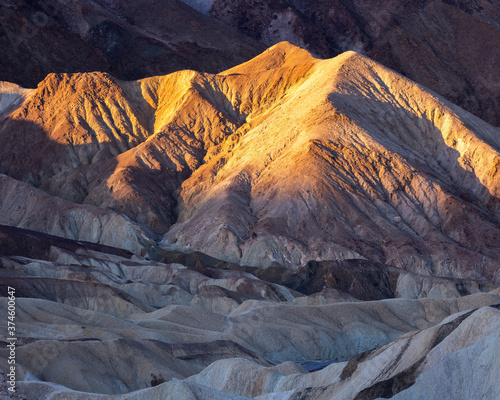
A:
283, 159
129, 40
350, 160
448, 46
123, 145
11, 97
23, 206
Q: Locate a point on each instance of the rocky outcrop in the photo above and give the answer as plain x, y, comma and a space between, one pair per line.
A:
94, 321
448, 46
365, 280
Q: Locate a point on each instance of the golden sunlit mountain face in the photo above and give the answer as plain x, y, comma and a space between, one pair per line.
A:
355, 153
284, 159
291, 227
448, 46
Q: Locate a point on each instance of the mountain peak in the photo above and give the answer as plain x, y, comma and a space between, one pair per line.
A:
280, 55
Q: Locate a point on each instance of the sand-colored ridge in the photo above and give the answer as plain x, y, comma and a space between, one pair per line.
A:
360, 114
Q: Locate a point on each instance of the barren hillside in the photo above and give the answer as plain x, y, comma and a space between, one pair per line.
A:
290, 228
285, 159
448, 46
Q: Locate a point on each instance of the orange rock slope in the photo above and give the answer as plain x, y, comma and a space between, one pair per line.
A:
285, 158
450, 46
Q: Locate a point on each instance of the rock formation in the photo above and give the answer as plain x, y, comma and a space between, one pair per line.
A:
448, 46
23, 206
286, 181
283, 159
93, 319
290, 228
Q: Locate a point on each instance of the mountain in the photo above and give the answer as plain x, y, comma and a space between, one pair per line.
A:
129, 40
447, 45
284, 159
290, 228
347, 159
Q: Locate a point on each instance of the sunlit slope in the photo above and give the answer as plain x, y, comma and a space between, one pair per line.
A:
352, 161
124, 145
69, 121
285, 158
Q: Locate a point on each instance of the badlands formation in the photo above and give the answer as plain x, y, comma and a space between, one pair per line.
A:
290, 228
281, 160
450, 46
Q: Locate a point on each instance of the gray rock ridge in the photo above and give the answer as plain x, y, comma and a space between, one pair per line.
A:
98, 322
400, 369
23, 206
366, 280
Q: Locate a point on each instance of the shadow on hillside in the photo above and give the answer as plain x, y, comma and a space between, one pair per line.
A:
422, 145
469, 214
149, 195
81, 174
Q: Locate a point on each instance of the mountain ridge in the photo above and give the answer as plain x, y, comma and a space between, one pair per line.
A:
286, 158
449, 46
130, 41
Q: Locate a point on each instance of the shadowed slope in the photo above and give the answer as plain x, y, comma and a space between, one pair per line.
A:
69, 121
94, 149
11, 97
129, 40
